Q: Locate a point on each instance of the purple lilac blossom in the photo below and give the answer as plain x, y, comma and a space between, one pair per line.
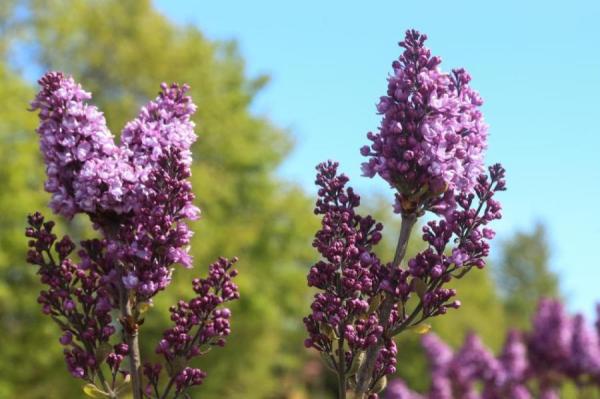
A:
584, 359
465, 228
432, 136
352, 280
439, 356
429, 148
397, 389
549, 343
473, 362
138, 193
73, 133
515, 367
520, 371
139, 197
87, 172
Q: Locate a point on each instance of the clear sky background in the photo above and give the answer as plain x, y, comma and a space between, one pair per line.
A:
536, 63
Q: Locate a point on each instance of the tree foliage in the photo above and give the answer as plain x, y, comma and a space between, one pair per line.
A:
524, 275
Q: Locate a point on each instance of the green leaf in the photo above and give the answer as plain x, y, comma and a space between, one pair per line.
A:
379, 385
93, 392
422, 328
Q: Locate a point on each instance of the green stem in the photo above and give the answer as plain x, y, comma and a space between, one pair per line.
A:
105, 386
365, 372
130, 334
341, 367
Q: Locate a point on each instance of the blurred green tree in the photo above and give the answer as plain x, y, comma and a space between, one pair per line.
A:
524, 275
22, 179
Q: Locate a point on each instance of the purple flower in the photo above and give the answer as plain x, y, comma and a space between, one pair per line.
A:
514, 358
139, 197
347, 276
71, 133
67, 284
202, 321
549, 344
432, 136
439, 356
397, 389
584, 359
130, 281
353, 282
471, 363
163, 125
87, 172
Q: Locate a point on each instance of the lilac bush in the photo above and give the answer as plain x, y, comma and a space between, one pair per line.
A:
138, 197
558, 349
429, 148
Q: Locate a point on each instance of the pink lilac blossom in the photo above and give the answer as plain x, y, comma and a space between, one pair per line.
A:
72, 133
432, 136
139, 197
138, 193
549, 344
585, 351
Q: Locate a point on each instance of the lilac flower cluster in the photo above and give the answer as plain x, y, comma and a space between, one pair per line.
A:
155, 236
76, 298
87, 172
562, 345
461, 374
347, 275
432, 136
559, 348
138, 192
138, 196
430, 149
354, 284
199, 324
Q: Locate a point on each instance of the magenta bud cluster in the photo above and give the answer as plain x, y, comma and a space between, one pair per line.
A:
199, 324
75, 296
353, 282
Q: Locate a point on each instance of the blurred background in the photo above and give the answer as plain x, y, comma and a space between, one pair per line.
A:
279, 88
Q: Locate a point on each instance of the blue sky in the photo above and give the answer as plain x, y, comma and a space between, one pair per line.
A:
536, 63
